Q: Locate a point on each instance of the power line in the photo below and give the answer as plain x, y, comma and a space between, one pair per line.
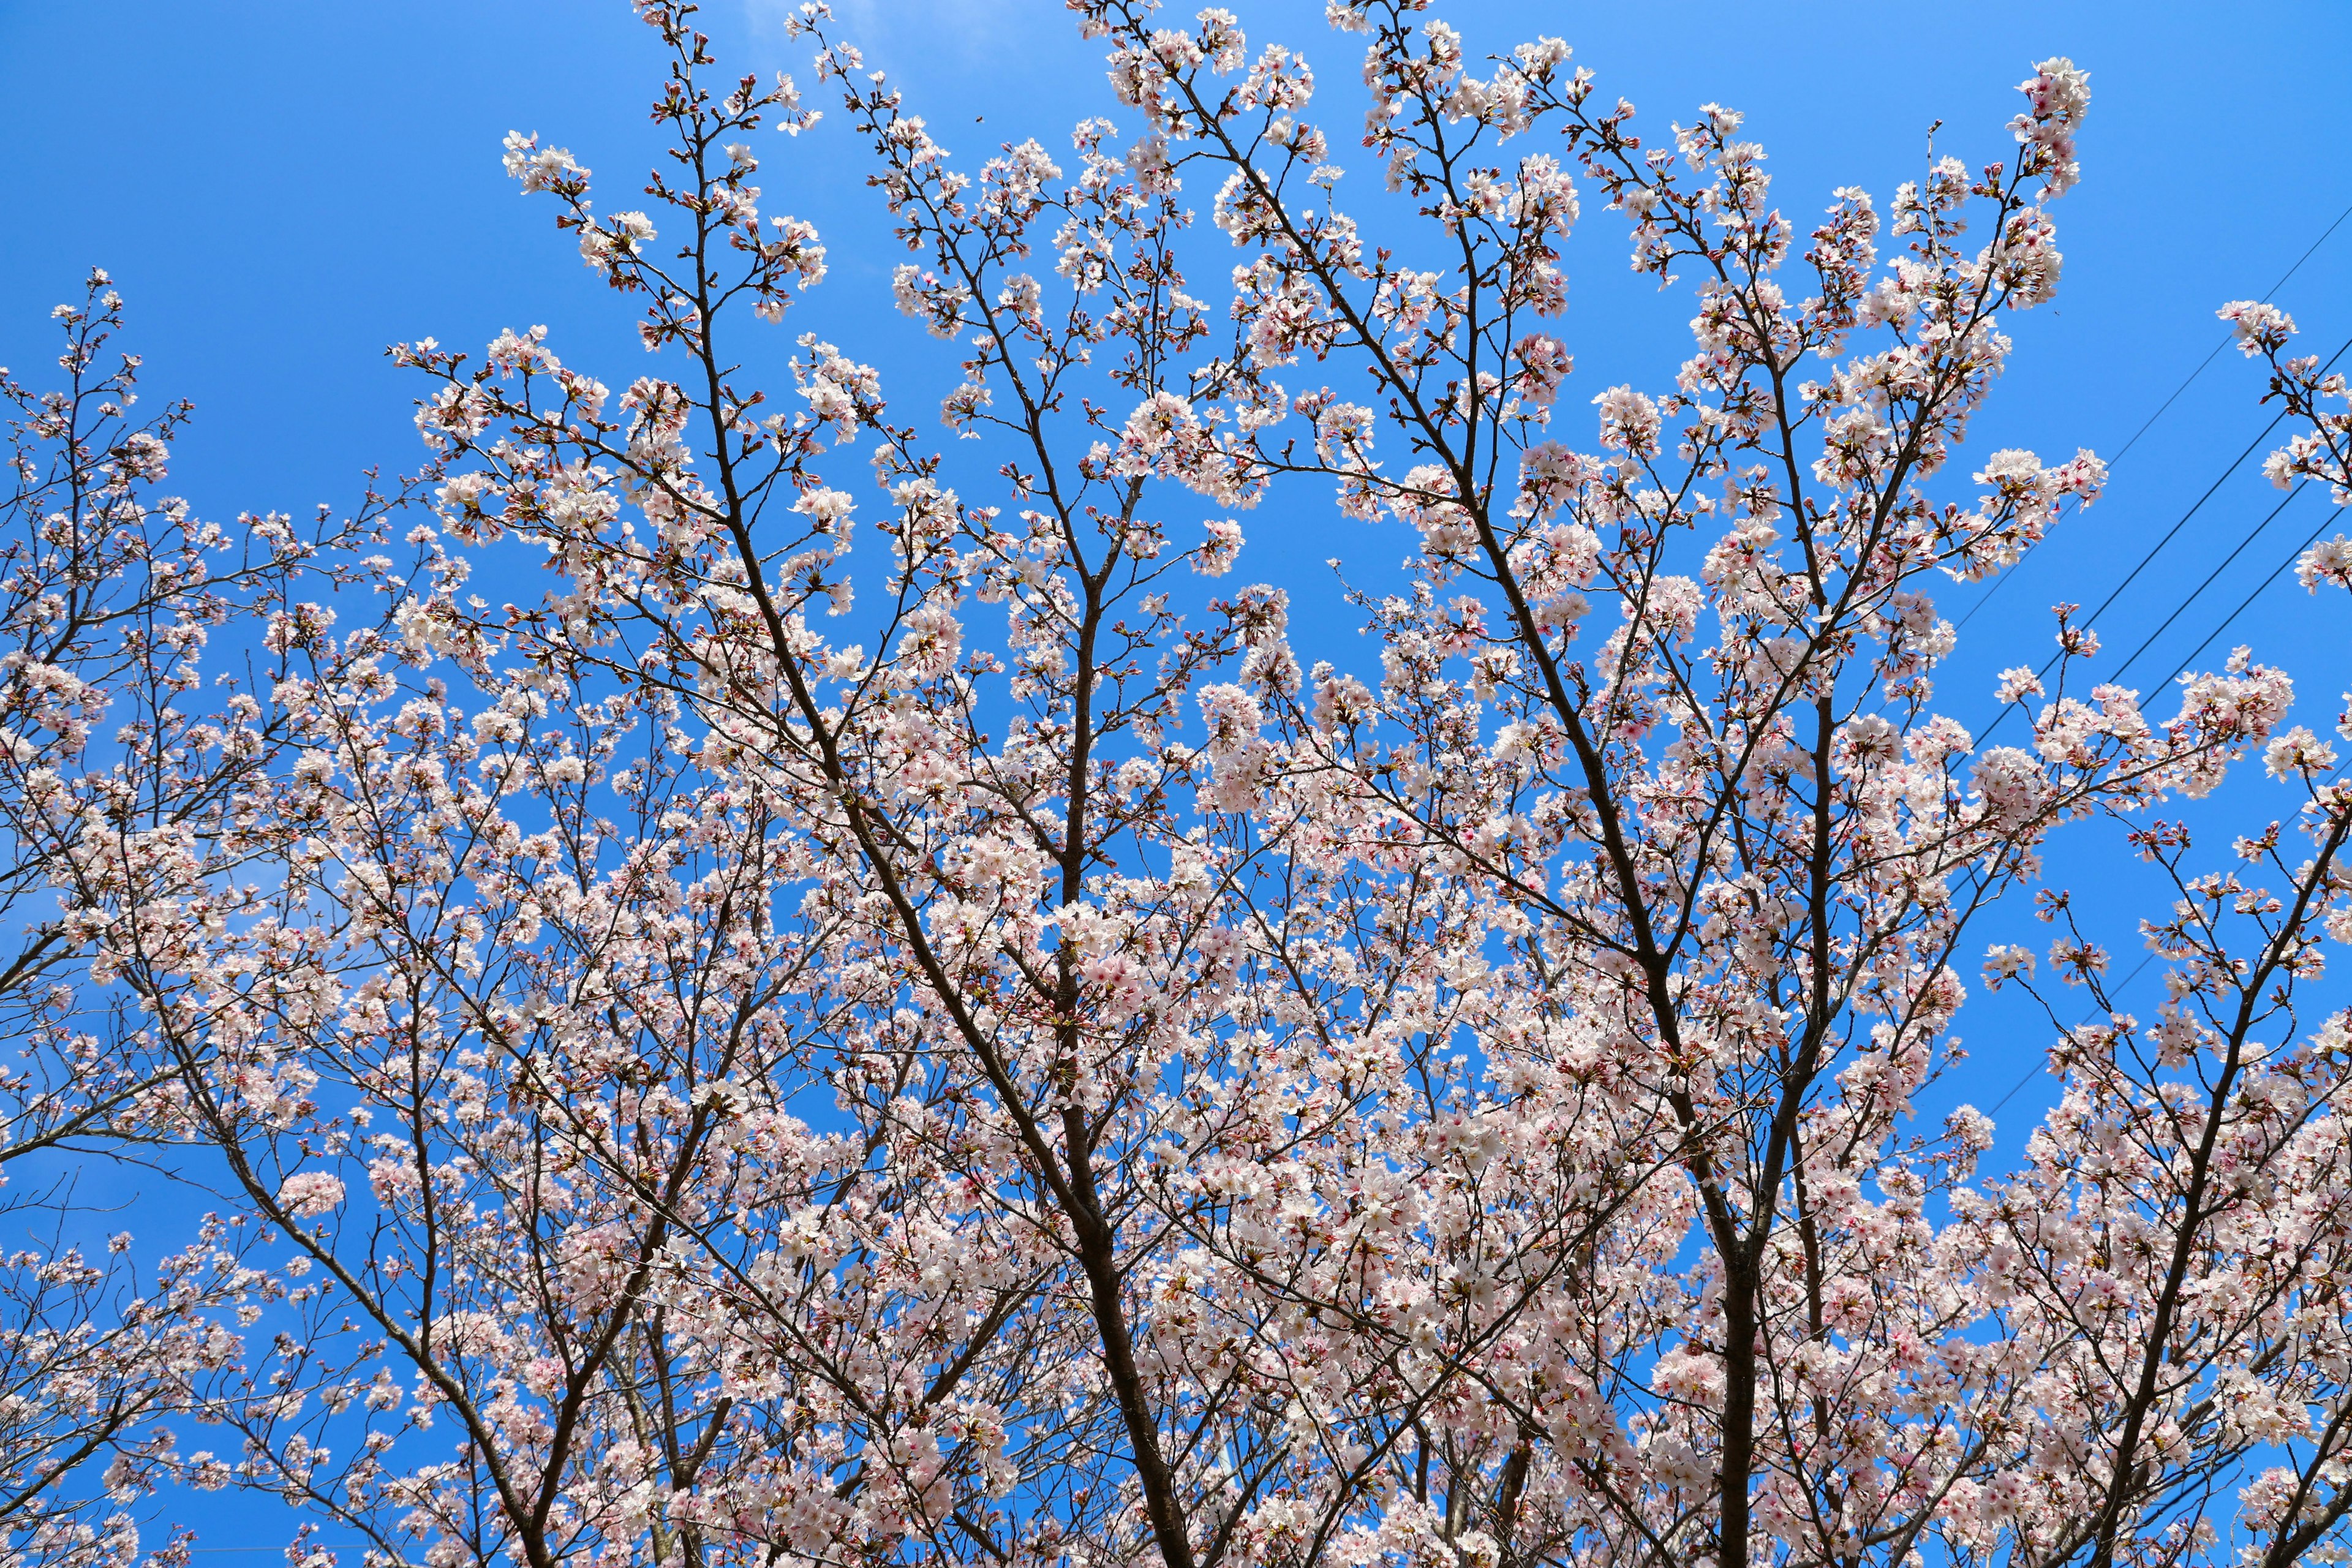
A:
2276, 572
2051, 663
2169, 533
2226, 337
2038, 1068
2227, 621
2252, 534
2001, 580
2159, 544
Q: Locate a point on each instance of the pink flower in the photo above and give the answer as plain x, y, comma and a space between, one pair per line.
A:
307, 1194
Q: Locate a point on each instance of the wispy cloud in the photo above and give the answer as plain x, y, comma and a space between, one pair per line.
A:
904, 36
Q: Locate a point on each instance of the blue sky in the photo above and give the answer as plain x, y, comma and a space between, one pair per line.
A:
282, 187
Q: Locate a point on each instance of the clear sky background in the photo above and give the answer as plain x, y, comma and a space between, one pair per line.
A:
282, 187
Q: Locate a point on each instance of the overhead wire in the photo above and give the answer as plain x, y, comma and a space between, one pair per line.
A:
2194, 594
2179, 524
2051, 663
2003, 581
2227, 621
2296, 553
2226, 624
2243, 605
2226, 338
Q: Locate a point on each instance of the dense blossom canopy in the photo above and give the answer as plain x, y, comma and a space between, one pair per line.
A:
872, 1024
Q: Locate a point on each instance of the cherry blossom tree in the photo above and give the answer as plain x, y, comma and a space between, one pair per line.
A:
756, 1058
127, 777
